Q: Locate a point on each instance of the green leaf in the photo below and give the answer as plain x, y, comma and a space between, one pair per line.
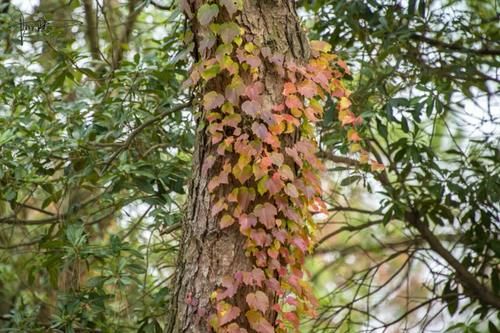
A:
349, 180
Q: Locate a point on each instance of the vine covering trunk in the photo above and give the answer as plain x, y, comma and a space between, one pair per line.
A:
260, 87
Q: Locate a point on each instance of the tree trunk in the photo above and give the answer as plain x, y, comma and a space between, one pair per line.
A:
207, 252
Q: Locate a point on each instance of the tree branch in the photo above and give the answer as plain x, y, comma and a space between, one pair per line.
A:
133, 13
91, 33
454, 47
471, 285
136, 131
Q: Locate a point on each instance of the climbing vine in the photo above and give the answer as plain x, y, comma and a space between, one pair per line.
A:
268, 186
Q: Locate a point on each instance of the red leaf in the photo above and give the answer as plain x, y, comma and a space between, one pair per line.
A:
353, 136
273, 253
227, 312
292, 152
274, 285
274, 184
280, 235
231, 286
289, 88
258, 276
221, 178
279, 107
292, 101
261, 257
300, 243
260, 237
247, 222
260, 130
245, 197
266, 213
310, 114
307, 89
258, 301
292, 318
254, 90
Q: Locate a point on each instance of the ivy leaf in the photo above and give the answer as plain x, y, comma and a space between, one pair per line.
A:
254, 90
245, 196
246, 222
207, 41
219, 207
277, 158
206, 13
292, 318
258, 301
226, 221
266, 213
227, 312
286, 172
291, 190
274, 184
228, 32
251, 108
235, 328
293, 102
258, 322
289, 88
307, 88
231, 286
212, 100
242, 174
261, 185
260, 237
258, 276
301, 243
232, 6
260, 130
344, 103
321, 46
234, 90
210, 72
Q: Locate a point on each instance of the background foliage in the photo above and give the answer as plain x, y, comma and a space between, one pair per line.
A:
95, 143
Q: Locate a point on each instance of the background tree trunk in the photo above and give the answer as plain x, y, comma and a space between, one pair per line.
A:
208, 253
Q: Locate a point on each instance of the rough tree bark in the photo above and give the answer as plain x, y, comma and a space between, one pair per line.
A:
208, 253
